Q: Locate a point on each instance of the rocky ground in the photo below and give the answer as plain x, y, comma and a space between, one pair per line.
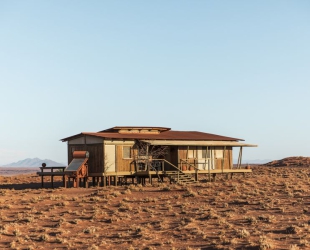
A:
268, 209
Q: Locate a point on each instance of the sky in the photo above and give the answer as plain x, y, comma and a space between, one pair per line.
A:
233, 68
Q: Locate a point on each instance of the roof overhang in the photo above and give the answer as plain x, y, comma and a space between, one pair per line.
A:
198, 143
78, 136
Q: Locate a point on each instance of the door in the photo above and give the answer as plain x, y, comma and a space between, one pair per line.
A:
109, 158
205, 158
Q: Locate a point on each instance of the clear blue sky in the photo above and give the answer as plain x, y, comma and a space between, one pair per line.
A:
234, 68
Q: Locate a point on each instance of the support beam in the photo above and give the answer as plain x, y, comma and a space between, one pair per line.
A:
64, 181
223, 158
209, 167
240, 158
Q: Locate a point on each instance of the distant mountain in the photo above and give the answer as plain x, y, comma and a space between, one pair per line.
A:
34, 162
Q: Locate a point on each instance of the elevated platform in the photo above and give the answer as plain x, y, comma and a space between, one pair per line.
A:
77, 169
51, 171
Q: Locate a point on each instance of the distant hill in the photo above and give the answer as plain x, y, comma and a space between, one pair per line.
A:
256, 161
290, 161
34, 162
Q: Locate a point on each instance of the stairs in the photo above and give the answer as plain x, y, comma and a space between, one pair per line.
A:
183, 178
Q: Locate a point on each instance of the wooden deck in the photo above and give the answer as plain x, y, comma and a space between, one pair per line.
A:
122, 177
146, 173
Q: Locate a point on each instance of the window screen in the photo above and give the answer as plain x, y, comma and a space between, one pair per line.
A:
126, 152
205, 154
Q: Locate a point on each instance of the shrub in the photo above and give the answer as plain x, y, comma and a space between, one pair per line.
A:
243, 233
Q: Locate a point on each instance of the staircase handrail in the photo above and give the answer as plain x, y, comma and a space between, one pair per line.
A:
164, 160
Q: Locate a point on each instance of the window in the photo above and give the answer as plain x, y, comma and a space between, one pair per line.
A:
126, 152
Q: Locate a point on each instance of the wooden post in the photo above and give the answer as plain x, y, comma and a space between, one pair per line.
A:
239, 158
42, 181
52, 180
214, 177
223, 159
63, 181
206, 156
120, 181
187, 152
52, 177
209, 168
104, 179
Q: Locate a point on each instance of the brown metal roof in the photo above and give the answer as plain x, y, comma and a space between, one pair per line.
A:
166, 135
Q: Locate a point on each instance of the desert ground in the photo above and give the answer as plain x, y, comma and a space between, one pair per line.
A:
267, 209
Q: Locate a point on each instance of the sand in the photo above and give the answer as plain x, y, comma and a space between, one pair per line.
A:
268, 209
